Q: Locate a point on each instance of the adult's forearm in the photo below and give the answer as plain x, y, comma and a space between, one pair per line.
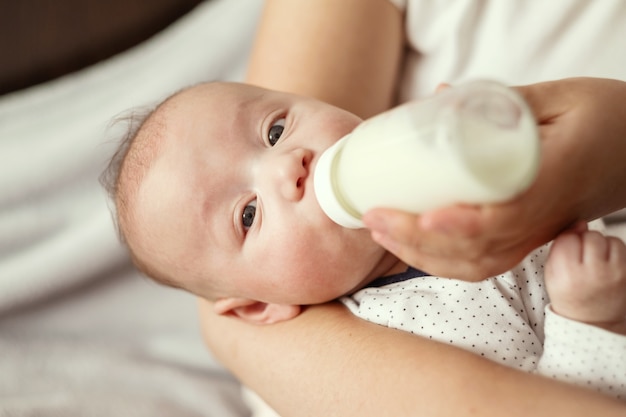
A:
327, 362
344, 52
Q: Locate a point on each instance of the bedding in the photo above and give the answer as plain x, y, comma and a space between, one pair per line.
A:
81, 332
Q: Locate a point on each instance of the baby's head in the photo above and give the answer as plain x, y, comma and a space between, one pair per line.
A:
214, 194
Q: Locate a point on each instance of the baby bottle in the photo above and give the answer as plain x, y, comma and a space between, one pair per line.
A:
475, 143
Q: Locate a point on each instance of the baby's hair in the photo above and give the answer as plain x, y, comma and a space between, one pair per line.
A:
109, 179
138, 148
134, 119
119, 190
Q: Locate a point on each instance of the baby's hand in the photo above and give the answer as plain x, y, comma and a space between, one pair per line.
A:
586, 279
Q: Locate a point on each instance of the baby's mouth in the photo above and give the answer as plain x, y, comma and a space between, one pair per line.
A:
311, 173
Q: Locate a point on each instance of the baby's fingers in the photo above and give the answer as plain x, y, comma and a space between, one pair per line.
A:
617, 251
603, 249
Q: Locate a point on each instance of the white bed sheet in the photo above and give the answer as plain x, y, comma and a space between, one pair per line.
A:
81, 333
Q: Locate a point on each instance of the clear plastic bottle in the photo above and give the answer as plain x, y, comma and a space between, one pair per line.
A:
475, 143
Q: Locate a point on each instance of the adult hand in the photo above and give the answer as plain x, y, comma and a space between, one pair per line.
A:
582, 176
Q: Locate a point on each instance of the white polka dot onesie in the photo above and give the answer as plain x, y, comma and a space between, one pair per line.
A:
503, 319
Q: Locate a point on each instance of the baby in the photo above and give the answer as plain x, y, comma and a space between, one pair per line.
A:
214, 195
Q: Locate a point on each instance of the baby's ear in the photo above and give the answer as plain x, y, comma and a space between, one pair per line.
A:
256, 312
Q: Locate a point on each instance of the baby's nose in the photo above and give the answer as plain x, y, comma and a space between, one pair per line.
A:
293, 170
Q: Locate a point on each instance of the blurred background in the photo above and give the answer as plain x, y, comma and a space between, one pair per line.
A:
82, 333
44, 39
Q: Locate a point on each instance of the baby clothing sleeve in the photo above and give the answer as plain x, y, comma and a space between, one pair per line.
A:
584, 355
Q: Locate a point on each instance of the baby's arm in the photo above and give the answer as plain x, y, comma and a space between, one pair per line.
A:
585, 325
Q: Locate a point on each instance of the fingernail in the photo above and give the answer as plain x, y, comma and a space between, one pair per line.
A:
377, 236
427, 223
384, 241
375, 223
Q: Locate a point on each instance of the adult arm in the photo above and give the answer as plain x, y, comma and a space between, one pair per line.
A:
327, 362
346, 52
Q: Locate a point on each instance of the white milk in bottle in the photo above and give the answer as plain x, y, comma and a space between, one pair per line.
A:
475, 143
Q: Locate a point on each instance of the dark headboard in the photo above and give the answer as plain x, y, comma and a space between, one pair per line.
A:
44, 39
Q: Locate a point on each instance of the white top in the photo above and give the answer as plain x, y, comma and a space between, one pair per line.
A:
515, 42
503, 319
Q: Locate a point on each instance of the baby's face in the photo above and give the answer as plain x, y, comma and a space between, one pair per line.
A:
230, 198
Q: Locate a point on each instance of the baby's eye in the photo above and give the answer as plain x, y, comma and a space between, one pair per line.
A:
276, 130
247, 218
